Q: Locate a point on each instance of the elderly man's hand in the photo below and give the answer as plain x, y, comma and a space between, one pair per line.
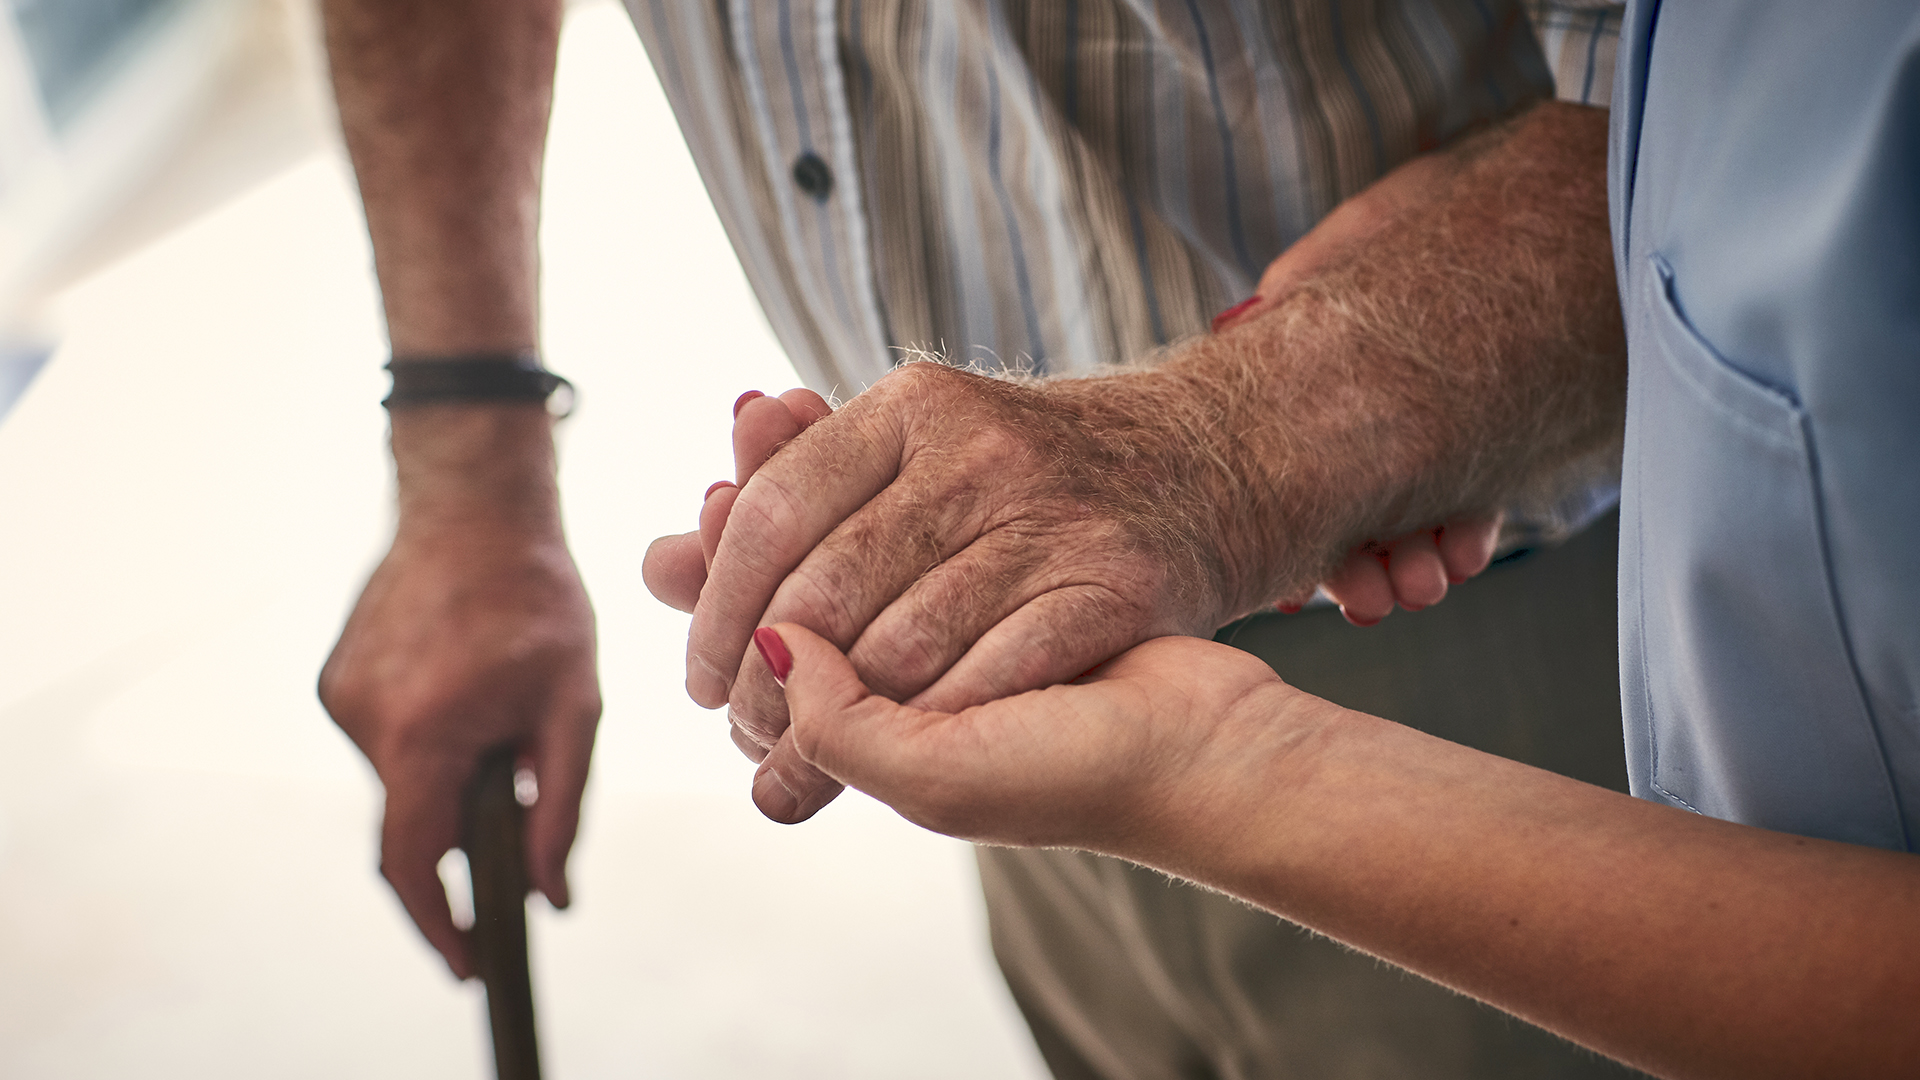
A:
1412, 570
472, 633
964, 538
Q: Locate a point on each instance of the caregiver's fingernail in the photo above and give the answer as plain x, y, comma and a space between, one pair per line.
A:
717, 485
1228, 315
770, 794
774, 652
741, 402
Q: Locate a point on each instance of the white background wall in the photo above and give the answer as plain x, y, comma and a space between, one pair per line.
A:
189, 497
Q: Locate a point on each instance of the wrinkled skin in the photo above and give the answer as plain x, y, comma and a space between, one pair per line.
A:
459, 644
1412, 571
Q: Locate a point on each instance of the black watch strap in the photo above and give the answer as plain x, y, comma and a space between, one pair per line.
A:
502, 377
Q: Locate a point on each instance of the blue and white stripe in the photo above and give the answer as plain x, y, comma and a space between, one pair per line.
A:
1061, 185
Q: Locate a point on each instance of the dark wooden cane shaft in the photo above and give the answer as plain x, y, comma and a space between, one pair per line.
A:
497, 860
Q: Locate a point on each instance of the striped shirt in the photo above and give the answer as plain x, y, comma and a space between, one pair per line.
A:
1056, 186
1579, 38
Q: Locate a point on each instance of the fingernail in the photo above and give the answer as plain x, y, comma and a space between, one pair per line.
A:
741, 402
717, 485
1285, 608
774, 652
770, 794
1228, 315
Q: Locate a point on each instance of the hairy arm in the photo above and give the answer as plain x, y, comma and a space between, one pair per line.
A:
1461, 347
474, 630
444, 106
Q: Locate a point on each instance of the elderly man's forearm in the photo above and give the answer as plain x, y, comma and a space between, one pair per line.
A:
1463, 352
444, 108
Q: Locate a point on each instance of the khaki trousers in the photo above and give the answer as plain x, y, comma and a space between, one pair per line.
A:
1124, 974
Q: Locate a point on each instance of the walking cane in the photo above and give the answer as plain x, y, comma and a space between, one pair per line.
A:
496, 858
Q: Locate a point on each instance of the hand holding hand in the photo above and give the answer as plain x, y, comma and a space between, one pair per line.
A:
1414, 570
968, 538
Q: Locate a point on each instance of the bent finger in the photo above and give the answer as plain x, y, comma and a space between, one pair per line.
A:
755, 752
902, 536
760, 427
418, 829
840, 727
781, 515
713, 521
1361, 588
1414, 569
1054, 638
806, 406
674, 570
915, 639
788, 788
1467, 543
560, 763
761, 440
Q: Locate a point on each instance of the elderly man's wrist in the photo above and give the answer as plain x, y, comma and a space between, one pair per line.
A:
476, 464
1263, 495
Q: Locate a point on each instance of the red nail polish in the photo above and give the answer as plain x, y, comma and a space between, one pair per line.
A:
774, 652
1285, 608
717, 485
1227, 316
741, 401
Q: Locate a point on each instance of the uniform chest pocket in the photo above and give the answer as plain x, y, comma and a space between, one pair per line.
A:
1740, 694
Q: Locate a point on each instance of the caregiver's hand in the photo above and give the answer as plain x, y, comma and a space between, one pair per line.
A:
1120, 761
1412, 571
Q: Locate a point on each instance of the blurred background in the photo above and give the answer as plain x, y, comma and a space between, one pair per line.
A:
193, 483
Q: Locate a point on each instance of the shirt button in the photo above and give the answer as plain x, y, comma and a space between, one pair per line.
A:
813, 176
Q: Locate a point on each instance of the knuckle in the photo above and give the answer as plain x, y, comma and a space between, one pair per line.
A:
761, 733
747, 744
814, 596
761, 716
765, 511
917, 376
1006, 451
811, 738
903, 661
925, 387
333, 697
1087, 624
